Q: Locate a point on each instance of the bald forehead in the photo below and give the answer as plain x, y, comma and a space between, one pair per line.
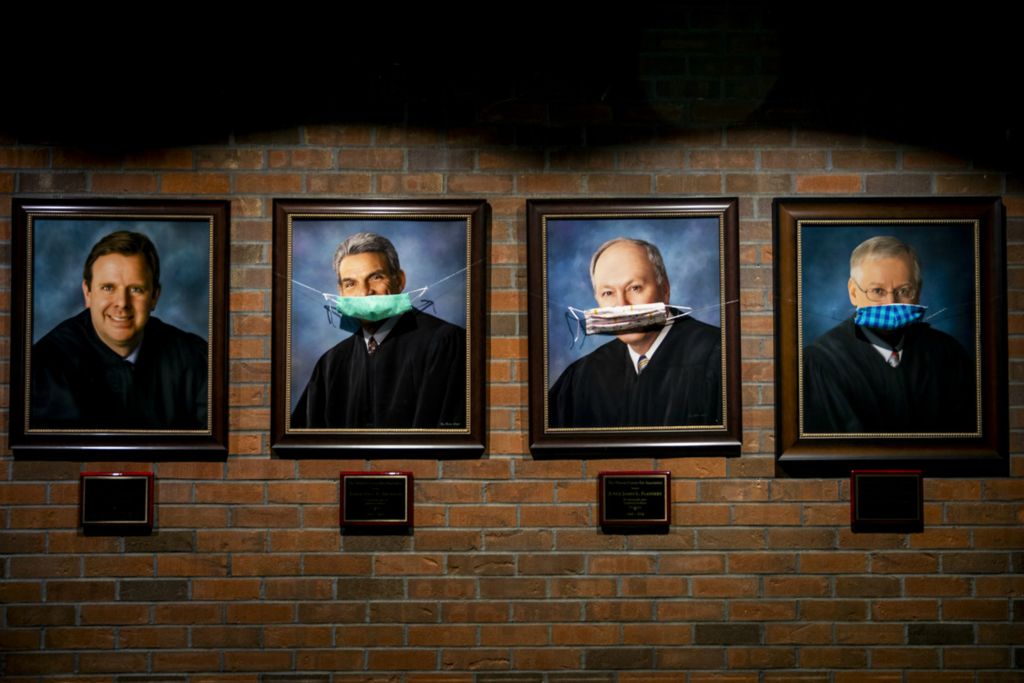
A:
620, 248
622, 261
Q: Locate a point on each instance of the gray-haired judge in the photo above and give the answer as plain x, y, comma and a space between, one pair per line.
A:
402, 369
667, 375
883, 370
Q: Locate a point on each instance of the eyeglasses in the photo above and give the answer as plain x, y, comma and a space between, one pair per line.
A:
900, 295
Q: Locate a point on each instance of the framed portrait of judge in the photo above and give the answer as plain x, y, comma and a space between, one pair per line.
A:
378, 327
118, 327
634, 326
890, 335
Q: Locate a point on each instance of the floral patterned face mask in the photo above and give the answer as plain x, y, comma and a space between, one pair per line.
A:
616, 319
889, 317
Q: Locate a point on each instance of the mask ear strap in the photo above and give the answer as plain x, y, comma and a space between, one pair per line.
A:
572, 313
683, 312
688, 311
450, 276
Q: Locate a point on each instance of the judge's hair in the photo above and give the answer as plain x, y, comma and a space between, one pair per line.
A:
884, 246
364, 242
127, 244
653, 255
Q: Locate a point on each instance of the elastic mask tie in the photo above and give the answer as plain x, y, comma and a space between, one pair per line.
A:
889, 317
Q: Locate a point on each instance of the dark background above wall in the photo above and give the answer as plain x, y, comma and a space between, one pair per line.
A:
947, 80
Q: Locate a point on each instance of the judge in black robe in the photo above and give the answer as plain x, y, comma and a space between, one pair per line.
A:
415, 379
78, 382
850, 388
681, 385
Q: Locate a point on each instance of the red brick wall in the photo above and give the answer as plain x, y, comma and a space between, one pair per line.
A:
506, 578
246, 572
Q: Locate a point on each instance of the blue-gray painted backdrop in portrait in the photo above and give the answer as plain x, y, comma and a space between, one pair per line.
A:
689, 246
946, 255
428, 250
61, 246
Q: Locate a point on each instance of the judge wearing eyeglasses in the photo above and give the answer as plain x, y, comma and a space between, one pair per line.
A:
884, 370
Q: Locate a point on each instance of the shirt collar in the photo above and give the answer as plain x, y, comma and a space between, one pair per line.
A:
635, 357
381, 332
884, 348
134, 355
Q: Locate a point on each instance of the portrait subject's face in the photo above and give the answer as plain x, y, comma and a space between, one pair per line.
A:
367, 274
887, 276
624, 276
120, 300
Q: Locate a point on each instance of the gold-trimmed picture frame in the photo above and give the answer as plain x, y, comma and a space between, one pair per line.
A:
421, 391
589, 395
850, 391
135, 358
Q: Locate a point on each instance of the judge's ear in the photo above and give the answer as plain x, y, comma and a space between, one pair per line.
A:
85, 293
667, 291
401, 282
156, 295
852, 287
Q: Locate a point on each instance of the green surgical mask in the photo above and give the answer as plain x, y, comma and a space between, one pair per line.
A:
373, 308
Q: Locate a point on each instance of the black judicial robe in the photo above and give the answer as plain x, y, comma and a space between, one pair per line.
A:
850, 388
415, 379
78, 382
681, 385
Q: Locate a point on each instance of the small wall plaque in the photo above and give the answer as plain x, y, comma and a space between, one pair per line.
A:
886, 500
376, 499
110, 500
635, 499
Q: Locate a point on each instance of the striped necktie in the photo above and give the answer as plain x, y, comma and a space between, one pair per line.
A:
371, 346
641, 363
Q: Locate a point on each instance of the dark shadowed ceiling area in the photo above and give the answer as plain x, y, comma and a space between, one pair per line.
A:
551, 77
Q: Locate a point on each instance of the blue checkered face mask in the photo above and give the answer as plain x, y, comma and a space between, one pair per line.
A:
889, 316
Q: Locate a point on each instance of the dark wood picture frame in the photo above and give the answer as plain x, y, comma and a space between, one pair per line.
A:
420, 230
699, 244
194, 269
960, 239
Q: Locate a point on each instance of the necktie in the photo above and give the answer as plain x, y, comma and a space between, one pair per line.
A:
894, 358
371, 346
641, 363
